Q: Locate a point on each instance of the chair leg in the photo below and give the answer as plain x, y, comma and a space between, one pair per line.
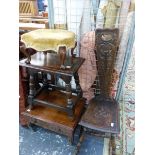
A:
81, 139
113, 145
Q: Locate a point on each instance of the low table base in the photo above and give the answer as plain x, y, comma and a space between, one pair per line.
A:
54, 120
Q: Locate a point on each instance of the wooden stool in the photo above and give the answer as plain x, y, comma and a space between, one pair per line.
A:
44, 40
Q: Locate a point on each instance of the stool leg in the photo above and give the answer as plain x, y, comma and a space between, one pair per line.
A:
26, 53
45, 53
72, 50
62, 53
72, 53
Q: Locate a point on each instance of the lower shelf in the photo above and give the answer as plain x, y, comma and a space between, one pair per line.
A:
55, 120
57, 97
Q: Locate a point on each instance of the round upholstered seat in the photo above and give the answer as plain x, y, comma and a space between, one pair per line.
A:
48, 39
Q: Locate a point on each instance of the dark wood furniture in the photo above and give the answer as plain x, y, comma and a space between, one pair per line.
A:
53, 106
55, 120
22, 95
102, 114
50, 94
23, 85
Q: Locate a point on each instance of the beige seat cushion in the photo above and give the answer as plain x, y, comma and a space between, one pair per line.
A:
48, 39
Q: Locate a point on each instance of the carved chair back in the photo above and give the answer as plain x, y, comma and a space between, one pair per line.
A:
106, 43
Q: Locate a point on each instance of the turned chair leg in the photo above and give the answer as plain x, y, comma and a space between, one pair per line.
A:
81, 139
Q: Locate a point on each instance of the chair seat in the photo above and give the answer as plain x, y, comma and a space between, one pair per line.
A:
101, 115
48, 39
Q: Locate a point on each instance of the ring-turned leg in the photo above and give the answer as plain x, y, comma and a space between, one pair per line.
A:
36, 80
67, 80
31, 90
78, 87
45, 81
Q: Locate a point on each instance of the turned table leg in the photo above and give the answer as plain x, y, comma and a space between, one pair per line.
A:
67, 80
36, 81
78, 87
62, 53
31, 90
45, 81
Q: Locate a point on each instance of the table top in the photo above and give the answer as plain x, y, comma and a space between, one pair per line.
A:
49, 39
51, 63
